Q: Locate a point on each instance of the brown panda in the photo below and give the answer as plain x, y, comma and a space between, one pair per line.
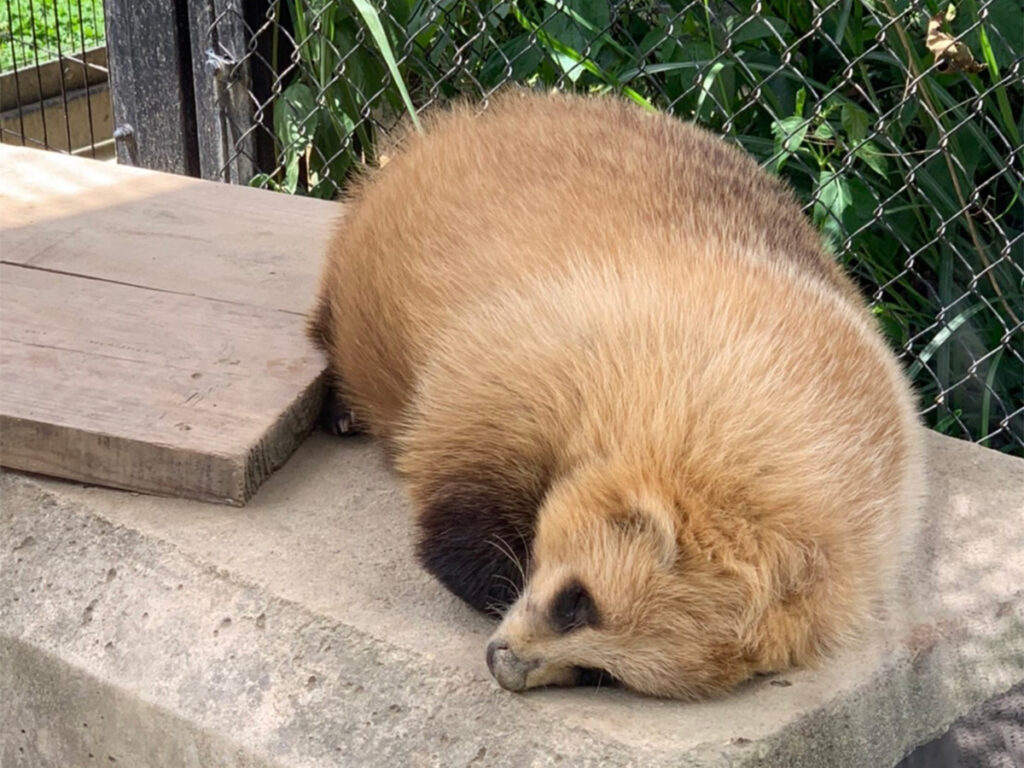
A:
638, 409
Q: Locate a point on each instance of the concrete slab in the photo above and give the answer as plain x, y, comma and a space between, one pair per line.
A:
299, 631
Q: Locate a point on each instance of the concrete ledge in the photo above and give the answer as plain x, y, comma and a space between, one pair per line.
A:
299, 632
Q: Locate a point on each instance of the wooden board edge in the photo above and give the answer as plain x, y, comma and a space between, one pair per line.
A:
213, 478
279, 442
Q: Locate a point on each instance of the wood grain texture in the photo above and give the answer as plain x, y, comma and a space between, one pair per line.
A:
155, 343
224, 117
162, 231
147, 85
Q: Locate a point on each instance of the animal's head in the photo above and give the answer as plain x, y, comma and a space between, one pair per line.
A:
628, 583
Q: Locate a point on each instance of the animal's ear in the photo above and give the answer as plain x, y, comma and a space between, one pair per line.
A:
652, 524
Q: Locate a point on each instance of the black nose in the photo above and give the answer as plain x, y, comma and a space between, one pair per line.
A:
493, 647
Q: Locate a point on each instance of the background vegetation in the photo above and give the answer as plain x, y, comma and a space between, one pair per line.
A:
32, 31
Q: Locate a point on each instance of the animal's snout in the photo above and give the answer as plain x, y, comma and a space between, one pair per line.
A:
493, 648
508, 669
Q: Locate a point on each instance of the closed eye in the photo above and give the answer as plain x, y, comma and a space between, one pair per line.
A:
573, 608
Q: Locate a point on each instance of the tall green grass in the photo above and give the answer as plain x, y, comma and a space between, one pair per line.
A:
913, 177
32, 31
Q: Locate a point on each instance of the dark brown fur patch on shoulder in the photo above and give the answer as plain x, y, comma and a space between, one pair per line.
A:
476, 540
335, 415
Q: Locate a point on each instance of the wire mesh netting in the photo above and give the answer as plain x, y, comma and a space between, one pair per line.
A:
53, 76
897, 123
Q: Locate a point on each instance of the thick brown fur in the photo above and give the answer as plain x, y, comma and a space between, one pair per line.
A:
610, 356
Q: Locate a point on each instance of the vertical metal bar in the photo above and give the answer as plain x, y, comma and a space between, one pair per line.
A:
17, 81
39, 78
85, 76
60, 77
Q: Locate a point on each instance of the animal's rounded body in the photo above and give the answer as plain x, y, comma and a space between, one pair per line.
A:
619, 374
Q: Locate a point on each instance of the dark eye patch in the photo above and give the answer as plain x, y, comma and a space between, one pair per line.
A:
573, 608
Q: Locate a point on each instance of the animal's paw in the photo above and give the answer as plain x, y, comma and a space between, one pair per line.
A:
337, 418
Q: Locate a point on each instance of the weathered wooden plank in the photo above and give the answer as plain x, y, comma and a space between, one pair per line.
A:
160, 230
82, 117
71, 72
222, 79
151, 85
151, 326
148, 390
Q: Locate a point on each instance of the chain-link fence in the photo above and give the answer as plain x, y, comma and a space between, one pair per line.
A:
898, 123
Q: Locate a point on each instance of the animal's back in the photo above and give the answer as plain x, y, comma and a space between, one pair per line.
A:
523, 190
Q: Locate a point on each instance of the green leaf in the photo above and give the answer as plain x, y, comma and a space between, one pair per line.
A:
295, 119
824, 132
1005, 110
706, 83
789, 134
941, 337
566, 55
986, 401
855, 122
291, 173
519, 56
264, 181
295, 116
372, 20
873, 157
862, 206
892, 326
581, 23
943, 425
1006, 20
752, 28
654, 69
832, 198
